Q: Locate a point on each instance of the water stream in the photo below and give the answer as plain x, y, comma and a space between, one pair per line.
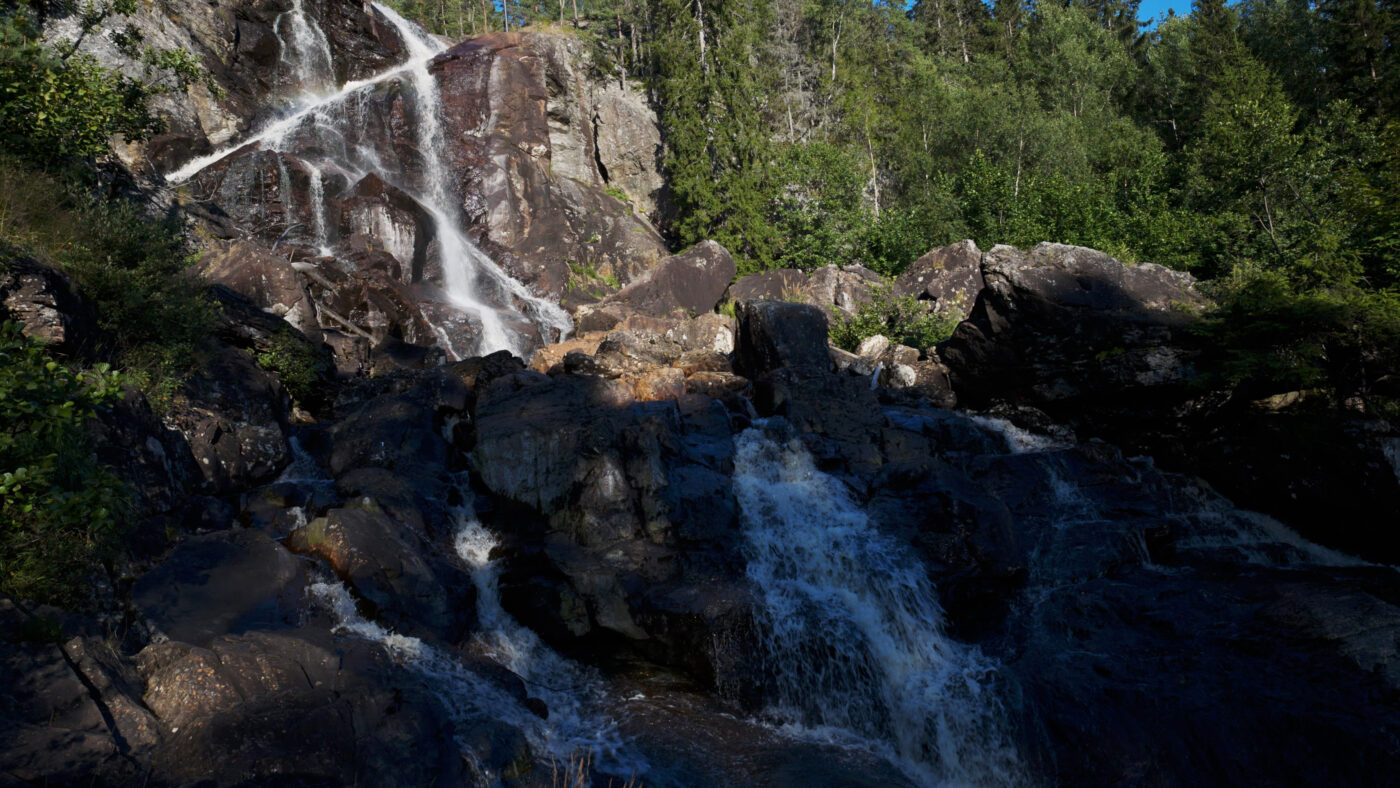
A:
577, 725
853, 631
324, 130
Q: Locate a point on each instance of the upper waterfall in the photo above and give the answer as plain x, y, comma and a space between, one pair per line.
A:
323, 132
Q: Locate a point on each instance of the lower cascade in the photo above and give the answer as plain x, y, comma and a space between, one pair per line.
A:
853, 632
573, 728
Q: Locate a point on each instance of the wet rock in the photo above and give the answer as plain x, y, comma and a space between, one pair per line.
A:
533, 178
219, 583
774, 334
950, 276
234, 416
393, 568
46, 305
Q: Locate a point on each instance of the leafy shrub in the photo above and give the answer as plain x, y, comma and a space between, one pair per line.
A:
130, 266
59, 507
295, 362
57, 105
907, 321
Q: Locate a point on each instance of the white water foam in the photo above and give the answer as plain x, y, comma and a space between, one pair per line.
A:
305, 50
472, 280
854, 633
573, 694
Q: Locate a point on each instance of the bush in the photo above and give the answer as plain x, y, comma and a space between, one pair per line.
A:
59, 507
300, 366
132, 268
907, 321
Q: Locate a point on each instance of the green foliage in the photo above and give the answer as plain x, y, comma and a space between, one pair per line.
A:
1271, 337
906, 321
300, 366
131, 267
57, 105
59, 507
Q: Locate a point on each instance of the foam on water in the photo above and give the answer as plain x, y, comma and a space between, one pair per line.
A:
853, 631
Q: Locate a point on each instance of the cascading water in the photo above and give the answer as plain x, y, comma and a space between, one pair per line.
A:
853, 631
321, 131
573, 695
305, 50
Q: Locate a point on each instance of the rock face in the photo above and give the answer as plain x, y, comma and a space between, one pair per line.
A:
1064, 324
532, 165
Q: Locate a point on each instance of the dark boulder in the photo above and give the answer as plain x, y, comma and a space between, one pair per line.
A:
1074, 327
234, 416
299, 708
392, 567
220, 583
786, 284
45, 303
690, 283
774, 334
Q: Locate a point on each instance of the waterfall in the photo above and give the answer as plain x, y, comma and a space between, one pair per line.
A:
853, 632
573, 695
305, 51
319, 131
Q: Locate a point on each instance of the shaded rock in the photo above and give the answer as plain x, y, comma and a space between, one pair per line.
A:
233, 415
71, 713
393, 568
46, 305
785, 284
1065, 323
220, 583
605, 492
950, 276
774, 334
264, 706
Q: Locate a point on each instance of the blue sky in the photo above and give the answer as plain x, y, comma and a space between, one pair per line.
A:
1151, 9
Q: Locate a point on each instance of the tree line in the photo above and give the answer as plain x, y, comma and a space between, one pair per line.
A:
1256, 145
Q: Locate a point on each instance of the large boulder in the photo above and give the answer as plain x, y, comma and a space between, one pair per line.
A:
234, 417
46, 305
393, 568
221, 583
71, 712
687, 284
774, 334
950, 276
296, 708
1067, 326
